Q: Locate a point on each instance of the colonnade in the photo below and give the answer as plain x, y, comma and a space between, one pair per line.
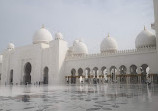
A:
126, 79
120, 75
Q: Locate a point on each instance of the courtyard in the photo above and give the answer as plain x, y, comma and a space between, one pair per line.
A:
83, 97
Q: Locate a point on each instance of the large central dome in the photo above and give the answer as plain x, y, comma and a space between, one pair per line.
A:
109, 44
42, 36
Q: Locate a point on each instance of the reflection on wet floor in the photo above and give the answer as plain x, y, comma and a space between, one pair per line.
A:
25, 98
115, 97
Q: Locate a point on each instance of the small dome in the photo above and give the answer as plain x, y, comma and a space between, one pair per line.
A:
145, 39
58, 36
42, 36
1, 58
79, 47
11, 46
109, 44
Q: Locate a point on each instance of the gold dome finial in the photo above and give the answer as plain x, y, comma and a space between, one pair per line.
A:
108, 35
42, 26
144, 27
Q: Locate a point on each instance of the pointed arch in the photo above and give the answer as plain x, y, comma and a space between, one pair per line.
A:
95, 69
73, 74
122, 69
80, 72
88, 71
133, 69
103, 70
113, 70
45, 75
27, 71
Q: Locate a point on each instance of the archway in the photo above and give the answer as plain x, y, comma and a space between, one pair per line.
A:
103, 70
133, 72
95, 71
122, 70
11, 77
45, 76
143, 72
133, 69
27, 76
143, 69
95, 75
73, 78
87, 71
87, 74
113, 71
104, 74
80, 72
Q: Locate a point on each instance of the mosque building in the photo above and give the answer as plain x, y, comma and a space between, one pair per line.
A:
51, 61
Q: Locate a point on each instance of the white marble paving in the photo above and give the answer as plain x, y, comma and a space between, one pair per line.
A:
101, 97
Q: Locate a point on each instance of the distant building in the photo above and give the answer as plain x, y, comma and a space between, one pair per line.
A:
49, 61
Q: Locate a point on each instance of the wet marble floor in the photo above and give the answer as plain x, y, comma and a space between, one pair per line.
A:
105, 97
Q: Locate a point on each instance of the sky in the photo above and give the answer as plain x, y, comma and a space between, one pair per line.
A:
88, 20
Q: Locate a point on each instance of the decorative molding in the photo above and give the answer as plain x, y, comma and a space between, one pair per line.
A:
117, 53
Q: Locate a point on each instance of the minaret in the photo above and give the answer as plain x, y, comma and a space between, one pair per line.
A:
155, 25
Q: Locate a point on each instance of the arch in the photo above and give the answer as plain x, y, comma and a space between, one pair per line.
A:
27, 71
80, 72
122, 69
113, 71
11, 77
143, 69
95, 69
73, 74
87, 75
45, 76
103, 70
143, 72
88, 71
133, 69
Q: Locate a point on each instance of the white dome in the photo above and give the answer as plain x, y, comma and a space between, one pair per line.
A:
11, 46
145, 39
109, 44
1, 58
79, 47
42, 36
58, 36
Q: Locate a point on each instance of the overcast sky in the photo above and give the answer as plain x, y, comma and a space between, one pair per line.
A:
89, 20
